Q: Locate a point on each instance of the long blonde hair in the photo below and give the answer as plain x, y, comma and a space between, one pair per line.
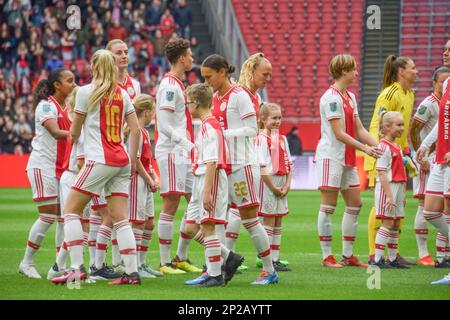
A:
249, 66
104, 76
386, 118
71, 101
264, 112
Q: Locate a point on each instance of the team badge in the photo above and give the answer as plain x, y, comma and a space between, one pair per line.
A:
46, 108
268, 206
422, 110
131, 91
333, 106
223, 106
170, 95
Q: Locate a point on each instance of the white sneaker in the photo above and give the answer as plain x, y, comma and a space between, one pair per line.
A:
145, 274
119, 269
29, 270
54, 272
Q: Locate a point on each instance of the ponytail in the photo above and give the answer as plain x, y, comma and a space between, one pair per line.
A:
217, 62
391, 66
45, 87
104, 77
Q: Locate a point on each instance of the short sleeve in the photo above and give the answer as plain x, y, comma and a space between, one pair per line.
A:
262, 149
127, 104
384, 161
210, 144
137, 86
423, 113
80, 146
45, 111
81, 100
332, 107
141, 140
244, 105
168, 96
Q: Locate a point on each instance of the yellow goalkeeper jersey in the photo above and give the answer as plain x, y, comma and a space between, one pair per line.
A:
392, 98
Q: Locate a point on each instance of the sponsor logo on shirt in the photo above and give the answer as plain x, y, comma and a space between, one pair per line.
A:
333, 106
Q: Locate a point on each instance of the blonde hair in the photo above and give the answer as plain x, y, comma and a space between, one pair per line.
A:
71, 100
386, 118
113, 42
143, 102
264, 112
249, 66
104, 76
202, 94
341, 63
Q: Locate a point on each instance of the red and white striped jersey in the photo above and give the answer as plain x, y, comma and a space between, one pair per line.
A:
273, 153
103, 126
231, 111
256, 99
427, 113
145, 151
48, 153
131, 86
391, 161
334, 106
443, 133
210, 146
172, 97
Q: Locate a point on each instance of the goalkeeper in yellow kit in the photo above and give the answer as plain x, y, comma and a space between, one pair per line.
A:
399, 75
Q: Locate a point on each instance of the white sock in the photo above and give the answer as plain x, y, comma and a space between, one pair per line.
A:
200, 238
381, 239
260, 241
232, 229
138, 234
37, 235
59, 233
269, 231
437, 220
103, 237
421, 229
213, 253
325, 229
276, 243
127, 245
61, 258
393, 245
183, 240
349, 226
115, 251
74, 238
146, 239
220, 232
441, 244
447, 250
94, 225
165, 228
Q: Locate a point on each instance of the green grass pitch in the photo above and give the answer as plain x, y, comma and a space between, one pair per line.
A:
300, 245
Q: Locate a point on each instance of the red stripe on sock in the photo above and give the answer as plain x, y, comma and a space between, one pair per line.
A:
392, 245
102, 246
165, 241
348, 238
232, 235
144, 248
440, 249
214, 259
75, 243
33, 245
264, 253
421, 231
185, 235
92, 243
325, 238
275, 247
379, 246
128, 251
114, 242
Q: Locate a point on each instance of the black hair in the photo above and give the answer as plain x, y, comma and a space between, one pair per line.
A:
217, 62
46, 88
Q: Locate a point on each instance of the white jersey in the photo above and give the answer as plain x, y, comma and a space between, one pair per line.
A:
273, 153
427, 113
171, 97
131, 86
210, 146
236, 114
76, 153
103, 134
332, 106
48, 153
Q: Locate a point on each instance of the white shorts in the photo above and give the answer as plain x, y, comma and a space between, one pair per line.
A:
68, 178
272, 205
196, 213
420, 184
333, 175
96, 177
439, 181
398, 193
44, 185
99, 202
176, 175
140, 202
243, 185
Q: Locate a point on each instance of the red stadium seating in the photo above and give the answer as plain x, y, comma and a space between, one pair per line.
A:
423, 35
302, 36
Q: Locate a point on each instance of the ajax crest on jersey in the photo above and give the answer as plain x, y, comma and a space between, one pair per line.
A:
46, 108
333, 106
170, 95
223, 106
131, 91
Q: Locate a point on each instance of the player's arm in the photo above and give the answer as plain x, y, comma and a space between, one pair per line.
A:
287, 186
415, 130
133, 124
143, 173
338, 129
267, 179
75, 128
382, 176
164, 125
52, 127
209, 181
248, 130
427, 143
363, 134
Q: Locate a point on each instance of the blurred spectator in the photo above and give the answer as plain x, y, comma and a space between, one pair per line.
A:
9, 137
197, 51
167, 24
117, 31
159, 60
51, 42
153, 14
183, 18
67, 44
53, 63
295, 144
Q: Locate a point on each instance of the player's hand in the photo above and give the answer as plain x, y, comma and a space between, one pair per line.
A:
390, 205
421, 153
156, 181
284, 190
447, 158
207, 201
374, 152
133, 169
425, 166
277, 192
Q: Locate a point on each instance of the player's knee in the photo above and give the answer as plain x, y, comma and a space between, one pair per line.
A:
328, 209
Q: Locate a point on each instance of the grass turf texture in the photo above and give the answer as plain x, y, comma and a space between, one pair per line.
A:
300, 245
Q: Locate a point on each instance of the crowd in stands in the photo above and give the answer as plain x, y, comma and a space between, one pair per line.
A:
36, 37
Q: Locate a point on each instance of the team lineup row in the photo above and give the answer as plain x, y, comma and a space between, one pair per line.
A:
236, 168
